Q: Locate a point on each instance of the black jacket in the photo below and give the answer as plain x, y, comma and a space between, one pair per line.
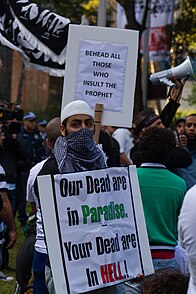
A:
12, 151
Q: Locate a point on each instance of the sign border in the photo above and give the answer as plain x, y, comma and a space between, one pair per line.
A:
51, 224
123, 36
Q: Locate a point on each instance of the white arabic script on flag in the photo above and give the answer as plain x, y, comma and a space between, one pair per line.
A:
38, 34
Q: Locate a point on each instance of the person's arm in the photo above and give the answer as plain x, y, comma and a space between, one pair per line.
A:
176, 91
121, 136
7, 216
169, 111
124, 160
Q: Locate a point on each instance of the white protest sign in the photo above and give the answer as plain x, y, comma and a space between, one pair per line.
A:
98, 78
95, 228
101, 68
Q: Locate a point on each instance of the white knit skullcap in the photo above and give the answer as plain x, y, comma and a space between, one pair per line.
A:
76, 107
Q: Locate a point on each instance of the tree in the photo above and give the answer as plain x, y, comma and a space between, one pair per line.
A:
192, 96
183, 31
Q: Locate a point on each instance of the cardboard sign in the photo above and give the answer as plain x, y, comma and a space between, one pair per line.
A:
95, 228
101, 68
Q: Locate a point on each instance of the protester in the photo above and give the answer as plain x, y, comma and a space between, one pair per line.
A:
162, 193
11, 150
123, 137
6, 216
187, 234
75, 151
188, 141
148, 118
111, 148
40, 253
179, 157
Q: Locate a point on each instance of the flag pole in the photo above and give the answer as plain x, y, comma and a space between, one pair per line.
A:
102, 13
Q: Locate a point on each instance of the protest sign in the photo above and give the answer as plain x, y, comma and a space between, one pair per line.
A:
95, 228
101, 68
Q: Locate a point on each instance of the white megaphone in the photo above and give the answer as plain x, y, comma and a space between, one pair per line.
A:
184, 70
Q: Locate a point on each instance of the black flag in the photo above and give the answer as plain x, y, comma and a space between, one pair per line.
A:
37, 33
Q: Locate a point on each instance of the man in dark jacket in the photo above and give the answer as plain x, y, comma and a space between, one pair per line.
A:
179, 157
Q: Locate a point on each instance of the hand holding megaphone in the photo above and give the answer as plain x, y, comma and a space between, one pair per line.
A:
182, 71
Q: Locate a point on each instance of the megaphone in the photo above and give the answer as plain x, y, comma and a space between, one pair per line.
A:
184, 70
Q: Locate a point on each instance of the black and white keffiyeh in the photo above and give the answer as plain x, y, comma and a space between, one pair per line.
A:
80, 148
38, 34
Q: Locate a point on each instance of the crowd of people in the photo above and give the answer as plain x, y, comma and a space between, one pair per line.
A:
165, 158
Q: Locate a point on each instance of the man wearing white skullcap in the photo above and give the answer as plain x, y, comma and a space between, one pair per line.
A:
76, 107
75, 151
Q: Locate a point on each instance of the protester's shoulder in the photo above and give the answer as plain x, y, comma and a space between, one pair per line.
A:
141, 171
34, 172
115, 143
135, 147
178, 181
145, 175
190, 199
104, 138
36, 168
120, 135
49, 166
121, 131
187, 217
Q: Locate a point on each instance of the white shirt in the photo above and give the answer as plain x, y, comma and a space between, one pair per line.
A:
123, 136
187, 234
40, 245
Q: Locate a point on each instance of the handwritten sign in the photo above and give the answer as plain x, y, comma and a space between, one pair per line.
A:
101, 68
100, 229
101, 73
